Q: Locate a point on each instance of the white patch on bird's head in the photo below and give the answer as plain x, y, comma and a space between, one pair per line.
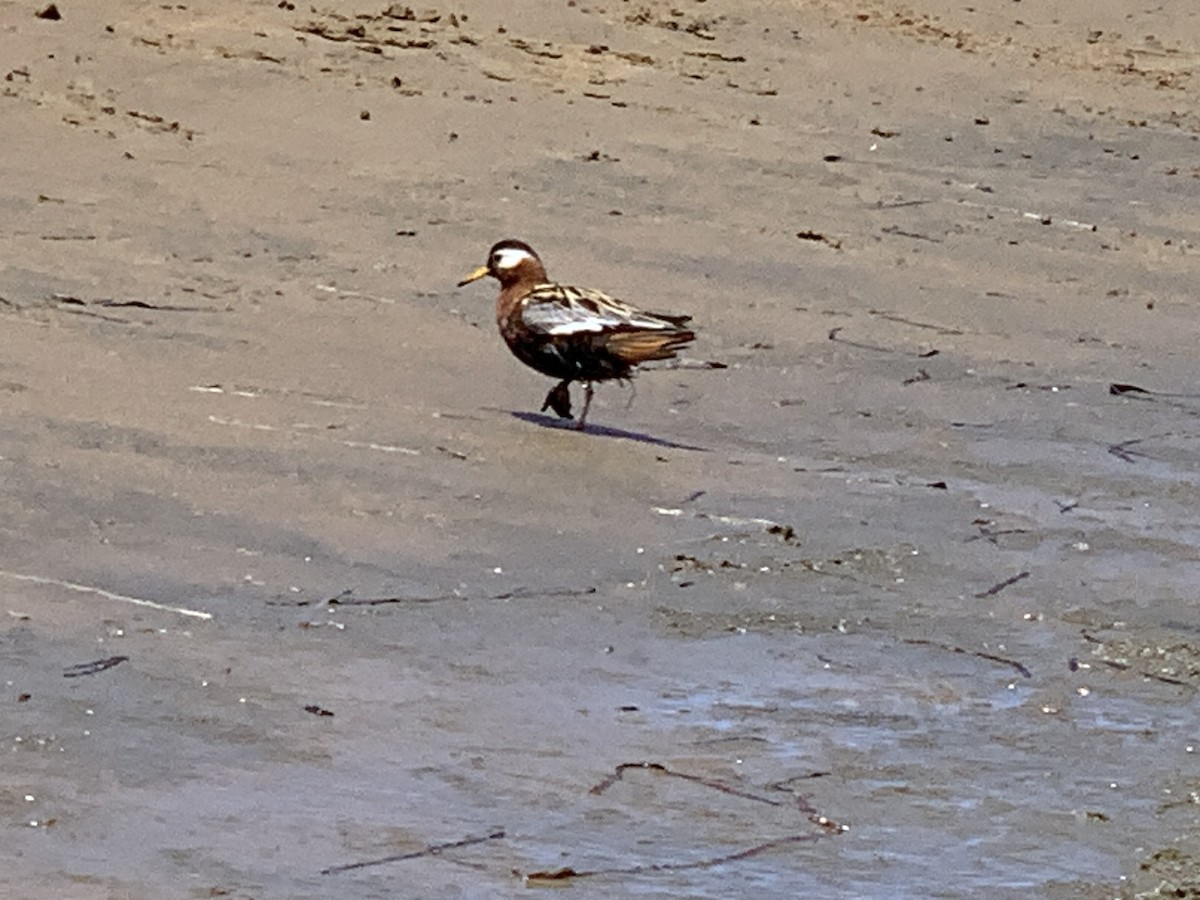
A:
509, 258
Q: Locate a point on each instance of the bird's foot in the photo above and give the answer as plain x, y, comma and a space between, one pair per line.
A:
559, 400
588, 391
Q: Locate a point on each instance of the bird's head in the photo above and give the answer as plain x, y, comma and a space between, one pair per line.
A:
509, 262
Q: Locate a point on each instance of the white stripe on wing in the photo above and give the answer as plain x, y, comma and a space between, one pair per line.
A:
556, 309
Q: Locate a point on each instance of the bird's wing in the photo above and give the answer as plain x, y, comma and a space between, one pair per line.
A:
555, 309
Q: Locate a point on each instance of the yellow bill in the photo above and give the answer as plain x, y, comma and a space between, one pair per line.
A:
474, 276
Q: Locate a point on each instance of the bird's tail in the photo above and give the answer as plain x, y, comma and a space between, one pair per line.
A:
636, 347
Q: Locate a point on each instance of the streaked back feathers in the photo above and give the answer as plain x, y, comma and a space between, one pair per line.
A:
557, 309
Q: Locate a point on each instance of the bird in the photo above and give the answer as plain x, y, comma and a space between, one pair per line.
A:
573, 333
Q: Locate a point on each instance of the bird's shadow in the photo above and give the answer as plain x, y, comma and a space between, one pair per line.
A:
601, 431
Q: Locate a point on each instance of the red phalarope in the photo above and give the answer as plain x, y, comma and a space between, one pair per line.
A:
571, 333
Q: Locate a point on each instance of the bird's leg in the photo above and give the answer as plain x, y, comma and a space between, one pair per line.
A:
559, 400
587, 403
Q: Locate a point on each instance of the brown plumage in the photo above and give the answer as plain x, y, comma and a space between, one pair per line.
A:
570, 333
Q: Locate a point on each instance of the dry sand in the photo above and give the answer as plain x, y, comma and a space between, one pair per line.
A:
901, 603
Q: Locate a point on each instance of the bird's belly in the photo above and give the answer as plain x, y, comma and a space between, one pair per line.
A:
573, 357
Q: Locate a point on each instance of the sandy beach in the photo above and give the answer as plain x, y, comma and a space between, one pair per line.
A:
888, 590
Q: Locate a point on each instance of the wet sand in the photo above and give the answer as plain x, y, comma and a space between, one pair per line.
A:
899, 603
